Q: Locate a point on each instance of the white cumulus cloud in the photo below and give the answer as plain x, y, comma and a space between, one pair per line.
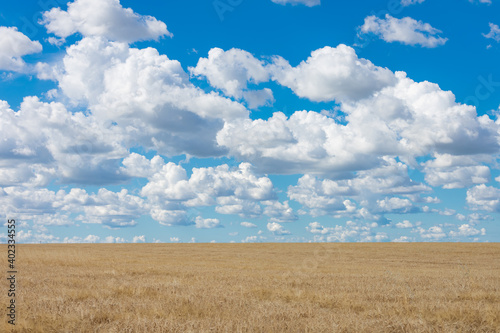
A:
231, 71
202, 223
406, 30
277, 229
106, 18
484, 197
13, 46
332, 74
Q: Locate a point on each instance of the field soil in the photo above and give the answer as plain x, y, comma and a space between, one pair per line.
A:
417, 287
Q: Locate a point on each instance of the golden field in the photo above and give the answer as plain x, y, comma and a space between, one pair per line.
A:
421, 287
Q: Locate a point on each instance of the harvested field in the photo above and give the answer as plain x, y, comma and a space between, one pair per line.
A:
420, 287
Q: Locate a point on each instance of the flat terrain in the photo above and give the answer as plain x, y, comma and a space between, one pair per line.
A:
256, 288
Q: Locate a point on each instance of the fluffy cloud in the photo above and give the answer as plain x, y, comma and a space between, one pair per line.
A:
406, 30
308, 3
202, 223
207, 184
332, 74
407, 119
49, 208
279, 212
136, 165
456, 171
231, 70
248, 225
236, 191
139, 239
307, 142
44, 141
395, 205
426, 119
402, 239
106, 18
332, 197
111, 239
494, 32
31, 237
484, 198
148, 96
433, 233
404, 225
352, 231
14, 45
466, 230
250, 239
113, 209
277, 229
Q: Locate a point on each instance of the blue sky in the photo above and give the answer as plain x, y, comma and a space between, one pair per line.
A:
250, 121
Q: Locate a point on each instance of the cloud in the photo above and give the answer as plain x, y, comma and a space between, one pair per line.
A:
459, 177
30, 237
139, 239
354, 161
406, 3
395, 205
352, 231
406, 31
236, 191
91, 239
456, 171
231, 71
308, 3
113, 209
207, 184
105, 18
484, 197
279, 212
465, 230
332, 197
42, 142
277, 229
433, 233
13, 46
170, 217
248, 225
402, 239
331, 74
404, 225
202, 223
136, 165
494, 33
407, 119
368, 195
307, 142
481, 1
147, 95
49, 208
112, 239
250, 239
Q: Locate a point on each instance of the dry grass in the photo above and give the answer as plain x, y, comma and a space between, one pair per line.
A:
257, 288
